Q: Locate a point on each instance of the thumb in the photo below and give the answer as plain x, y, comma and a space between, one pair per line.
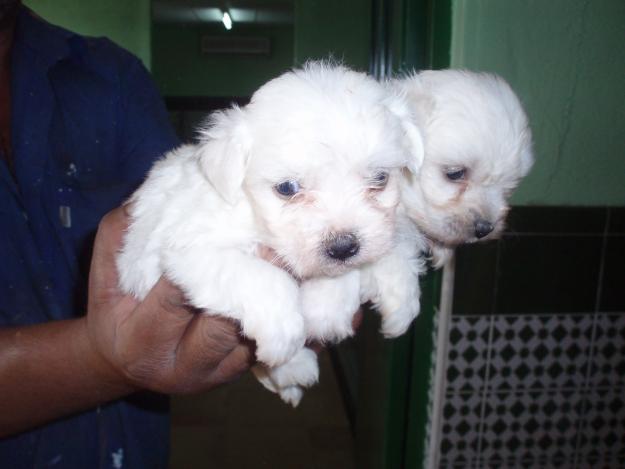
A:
169, 298
108, 241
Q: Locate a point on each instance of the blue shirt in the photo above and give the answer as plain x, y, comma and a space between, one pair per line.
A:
87, 124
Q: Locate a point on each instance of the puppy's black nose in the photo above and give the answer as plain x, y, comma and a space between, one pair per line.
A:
482, 228
342, 246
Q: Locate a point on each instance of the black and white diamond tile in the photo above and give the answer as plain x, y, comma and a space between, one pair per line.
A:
602, 433
539, 351
468, 349
460, 430
601, 464
528, 427
535, 391
608, 362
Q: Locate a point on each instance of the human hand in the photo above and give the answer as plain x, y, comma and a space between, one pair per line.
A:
159, 343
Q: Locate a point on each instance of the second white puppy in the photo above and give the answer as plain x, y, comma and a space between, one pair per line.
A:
310, 168
478, 146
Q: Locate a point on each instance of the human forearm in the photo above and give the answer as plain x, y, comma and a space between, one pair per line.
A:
54, 369
51, 370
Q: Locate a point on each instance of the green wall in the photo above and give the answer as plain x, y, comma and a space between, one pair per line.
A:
181, 70
322, 28
566, 59
125, 22
340, 28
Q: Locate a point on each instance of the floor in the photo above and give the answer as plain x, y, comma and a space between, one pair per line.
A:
242, 426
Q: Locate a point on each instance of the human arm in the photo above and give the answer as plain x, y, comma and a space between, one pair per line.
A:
51, 370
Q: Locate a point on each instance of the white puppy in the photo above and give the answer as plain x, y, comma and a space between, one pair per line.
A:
310, 168
477, 148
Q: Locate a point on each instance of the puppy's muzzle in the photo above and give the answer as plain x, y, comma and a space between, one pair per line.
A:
342, 246
482, 228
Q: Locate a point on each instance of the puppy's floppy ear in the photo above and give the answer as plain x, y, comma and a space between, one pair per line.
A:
527, 151
415, 143
224, 151
411, 132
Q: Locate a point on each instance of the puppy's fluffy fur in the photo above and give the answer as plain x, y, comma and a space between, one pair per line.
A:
332, 135
309, 168
477, 148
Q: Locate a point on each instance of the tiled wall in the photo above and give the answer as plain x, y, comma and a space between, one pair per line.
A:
536, 362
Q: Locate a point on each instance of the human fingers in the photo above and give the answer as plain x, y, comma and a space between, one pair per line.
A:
103, 279
212, 352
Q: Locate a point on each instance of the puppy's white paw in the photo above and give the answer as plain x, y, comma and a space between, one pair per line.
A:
302, 369
397, 322
290, 379
328, 306
274, 321
398, 308
277, 343
292, 395
395, 281
263, 375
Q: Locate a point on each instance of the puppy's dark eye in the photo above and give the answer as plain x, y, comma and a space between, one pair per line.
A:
379, 180
456, 173
287, 188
